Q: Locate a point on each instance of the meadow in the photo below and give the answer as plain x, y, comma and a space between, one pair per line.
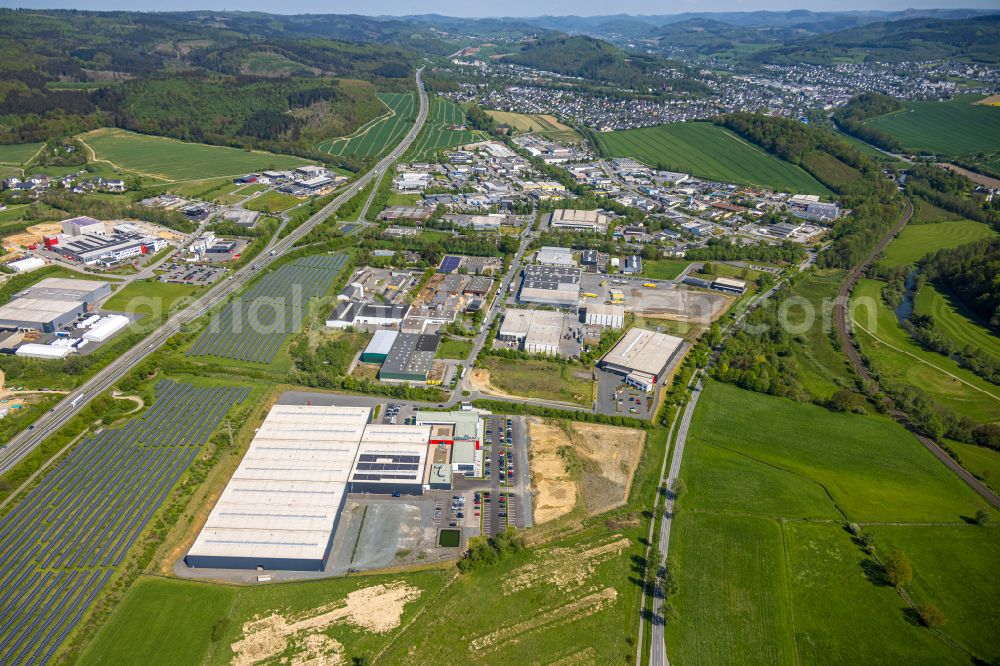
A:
272, 202
454, 348
150, 297
537, 123
956, 323
663, 269
709, 151
172, 160
766, 572
898, 357
437, 133
956, 127
981, 461
918, 240
16, 154
537, 378
378, 135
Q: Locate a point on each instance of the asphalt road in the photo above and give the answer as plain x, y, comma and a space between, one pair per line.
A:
26, 441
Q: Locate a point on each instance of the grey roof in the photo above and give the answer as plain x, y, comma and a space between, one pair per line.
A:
411, 354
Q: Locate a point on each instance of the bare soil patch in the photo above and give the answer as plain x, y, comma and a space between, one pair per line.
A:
992, 100
33, 234
555, 490
377, 609
565, 568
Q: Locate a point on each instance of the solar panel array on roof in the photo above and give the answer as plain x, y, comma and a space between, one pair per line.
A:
449, 264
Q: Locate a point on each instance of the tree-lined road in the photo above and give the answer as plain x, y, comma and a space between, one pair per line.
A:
25, 442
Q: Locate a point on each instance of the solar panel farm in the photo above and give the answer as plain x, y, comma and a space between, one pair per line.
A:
253, 327
64, 540
440, 133
375, 137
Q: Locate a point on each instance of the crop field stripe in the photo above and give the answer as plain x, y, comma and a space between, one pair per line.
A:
88, 512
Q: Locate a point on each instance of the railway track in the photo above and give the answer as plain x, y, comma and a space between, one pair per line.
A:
840, 314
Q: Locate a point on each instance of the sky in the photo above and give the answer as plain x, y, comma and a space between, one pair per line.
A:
507, 8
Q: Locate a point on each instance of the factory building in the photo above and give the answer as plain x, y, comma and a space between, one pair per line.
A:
633, 265
535, 331
355, 313
378, 347
564, 219
550, 285
729, 285
391, 459
281, 508
600, 314
282, 505
411, 357
51, 304
90, 249
642, 357
76, 226
555, 256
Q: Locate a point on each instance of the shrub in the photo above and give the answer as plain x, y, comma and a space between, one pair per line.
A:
897, 569
930, 615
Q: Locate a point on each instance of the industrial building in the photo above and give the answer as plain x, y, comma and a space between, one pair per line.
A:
601, 314
48, 352
76, 226
729, 285
378, 347
89, 249
633, 265
26, 265
51, 304
642, 357
535, 331
411, 357
555, 256
281, 507
105, 327
550, 285
391, 459
564, 219
356, 313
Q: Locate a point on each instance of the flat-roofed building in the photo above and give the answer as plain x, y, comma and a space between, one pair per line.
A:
642, 351
391, 459
567, 219
379, 346
76, 226
410, 358
355, 313
68, 289
282, 504
555, 256
550, 285
39, 314
602, 314
729, 285
535, 331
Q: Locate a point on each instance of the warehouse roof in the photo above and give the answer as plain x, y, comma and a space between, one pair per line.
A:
38, 310
606, 309
392, 454
411, 354
536, 326
466, 423
643, 351
283, 499
381, 342
65, 289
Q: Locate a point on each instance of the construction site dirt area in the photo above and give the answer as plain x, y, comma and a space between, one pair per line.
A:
32, 234
686, 305
571, 462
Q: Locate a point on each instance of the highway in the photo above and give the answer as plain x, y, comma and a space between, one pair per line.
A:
21, 445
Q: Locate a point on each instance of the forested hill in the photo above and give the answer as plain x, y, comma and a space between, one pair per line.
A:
247, 80
599, 61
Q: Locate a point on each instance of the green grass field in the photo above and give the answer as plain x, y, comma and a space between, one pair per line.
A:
983, 462
452, 348
899, 358
375, 137
437, 133
957, 127
955, 322
272, 202
917, 241
149, 296
163, 622
663, 269
538, 378
172, 160
537, 123
709, 151
954, 568
766, 572
15, 154
925, 212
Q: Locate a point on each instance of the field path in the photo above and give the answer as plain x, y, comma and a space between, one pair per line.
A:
925, 362
92, 156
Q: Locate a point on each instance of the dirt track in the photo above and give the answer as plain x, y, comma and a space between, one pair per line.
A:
840, 312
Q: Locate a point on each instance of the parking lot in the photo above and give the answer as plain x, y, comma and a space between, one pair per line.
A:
194, 274
615, 398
